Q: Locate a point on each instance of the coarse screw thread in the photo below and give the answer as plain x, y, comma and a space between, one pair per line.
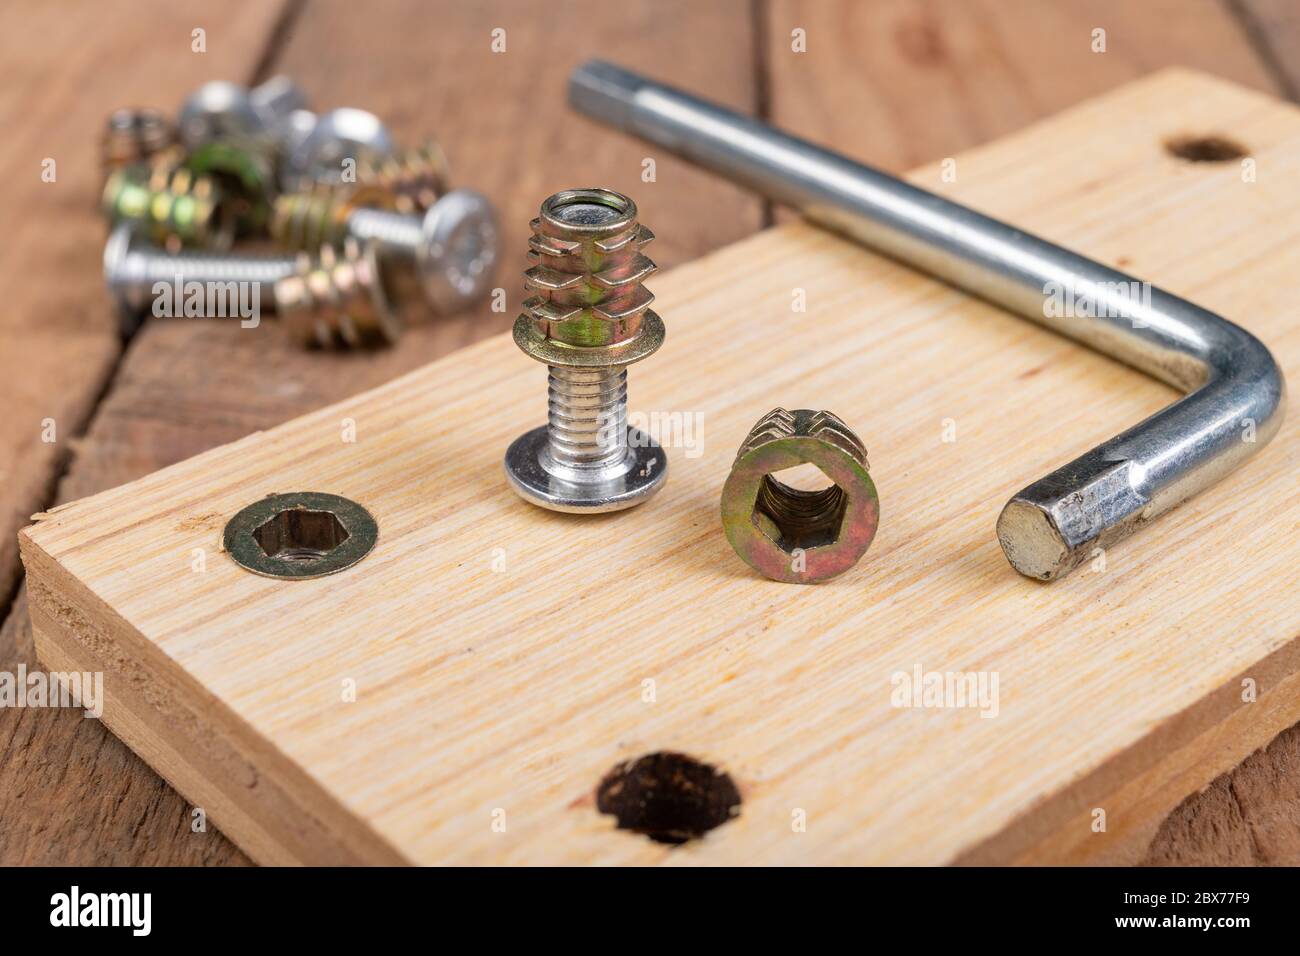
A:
587, 420
132, 273
414, 178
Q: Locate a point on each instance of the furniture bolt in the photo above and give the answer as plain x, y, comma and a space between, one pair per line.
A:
589, 319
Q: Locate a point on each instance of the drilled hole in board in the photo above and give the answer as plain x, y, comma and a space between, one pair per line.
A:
1205, 149
668, 797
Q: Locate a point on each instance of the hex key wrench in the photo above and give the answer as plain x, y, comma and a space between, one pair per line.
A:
1235, 389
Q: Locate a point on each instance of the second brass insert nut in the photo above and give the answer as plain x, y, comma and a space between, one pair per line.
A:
789, 534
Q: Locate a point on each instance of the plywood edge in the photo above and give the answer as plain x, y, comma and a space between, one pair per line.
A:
268, 806
1138, 787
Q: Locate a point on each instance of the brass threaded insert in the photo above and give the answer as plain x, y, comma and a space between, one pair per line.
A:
790, 534
587, 281
413, 178
172, 206
134, 136
318, 216
337, 299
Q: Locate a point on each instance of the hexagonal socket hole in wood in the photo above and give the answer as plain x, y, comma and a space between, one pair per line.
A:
300, 534
669, 797
800, 507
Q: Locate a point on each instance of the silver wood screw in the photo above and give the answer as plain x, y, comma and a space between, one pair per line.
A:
335, 298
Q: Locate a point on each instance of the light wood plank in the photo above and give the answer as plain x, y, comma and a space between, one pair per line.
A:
519, 689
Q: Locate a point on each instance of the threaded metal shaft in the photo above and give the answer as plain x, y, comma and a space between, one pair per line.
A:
135, 275
587, 423
395, 235
335, 298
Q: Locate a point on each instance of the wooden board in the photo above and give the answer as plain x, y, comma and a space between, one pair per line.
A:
515, 690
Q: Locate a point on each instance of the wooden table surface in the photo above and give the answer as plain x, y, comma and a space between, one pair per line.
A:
894, 82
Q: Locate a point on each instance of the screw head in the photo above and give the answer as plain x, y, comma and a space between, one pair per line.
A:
457, 254
647, 470
216, 111
122, 284
276, 99
335, 136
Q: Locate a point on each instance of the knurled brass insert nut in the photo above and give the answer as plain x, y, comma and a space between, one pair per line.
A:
789, 534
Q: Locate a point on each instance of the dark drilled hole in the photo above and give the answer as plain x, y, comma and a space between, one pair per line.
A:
299, 534
1204, 149
669, 797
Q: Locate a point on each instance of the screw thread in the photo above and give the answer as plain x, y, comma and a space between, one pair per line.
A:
587, 283
587, 423
194, 266
588, 317
170, 204
414, 178
328, 216
396, 235
136, 275
588, 295
337, 298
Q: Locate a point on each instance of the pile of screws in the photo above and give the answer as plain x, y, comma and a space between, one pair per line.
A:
373, 236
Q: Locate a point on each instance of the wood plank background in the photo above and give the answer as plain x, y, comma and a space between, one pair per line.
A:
894, 82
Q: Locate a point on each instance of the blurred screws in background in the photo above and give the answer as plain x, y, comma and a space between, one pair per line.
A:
374, 236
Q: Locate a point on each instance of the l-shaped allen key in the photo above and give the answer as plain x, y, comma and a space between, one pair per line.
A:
1234, 387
